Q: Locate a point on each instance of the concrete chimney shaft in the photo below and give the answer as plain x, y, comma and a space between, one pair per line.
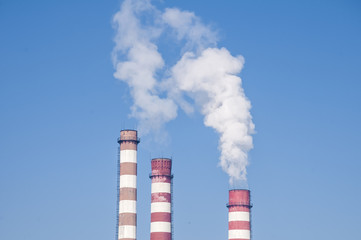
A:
161, 208
128, 185
239, 206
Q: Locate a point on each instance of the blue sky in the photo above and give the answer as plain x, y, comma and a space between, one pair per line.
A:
62, 110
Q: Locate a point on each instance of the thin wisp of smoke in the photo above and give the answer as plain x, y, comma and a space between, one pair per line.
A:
206, 74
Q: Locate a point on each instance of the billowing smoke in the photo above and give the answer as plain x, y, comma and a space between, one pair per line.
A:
141, 64
204, 73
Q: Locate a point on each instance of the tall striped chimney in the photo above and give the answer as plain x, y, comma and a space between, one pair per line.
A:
127, 220
161, 209
239, 216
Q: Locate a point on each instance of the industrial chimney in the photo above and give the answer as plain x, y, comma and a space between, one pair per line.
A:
127, 219
239, 207
161, 205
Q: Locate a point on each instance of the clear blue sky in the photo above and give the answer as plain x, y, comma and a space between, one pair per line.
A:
62, 110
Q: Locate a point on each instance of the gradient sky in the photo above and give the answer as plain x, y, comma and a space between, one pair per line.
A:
62, 110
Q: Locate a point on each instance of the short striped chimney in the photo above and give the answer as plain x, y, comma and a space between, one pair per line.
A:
161, 205
239, 214
127, 220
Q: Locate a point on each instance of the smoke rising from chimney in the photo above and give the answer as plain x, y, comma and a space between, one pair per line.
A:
204, 73
141, 64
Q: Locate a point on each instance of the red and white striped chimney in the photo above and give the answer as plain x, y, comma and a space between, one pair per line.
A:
161, 208
128, 185
239, 215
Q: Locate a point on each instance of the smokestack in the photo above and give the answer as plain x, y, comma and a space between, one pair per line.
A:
127, 220
239, 216
161, 209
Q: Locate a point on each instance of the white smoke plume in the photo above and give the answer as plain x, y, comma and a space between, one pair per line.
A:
140, 67
206, 74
